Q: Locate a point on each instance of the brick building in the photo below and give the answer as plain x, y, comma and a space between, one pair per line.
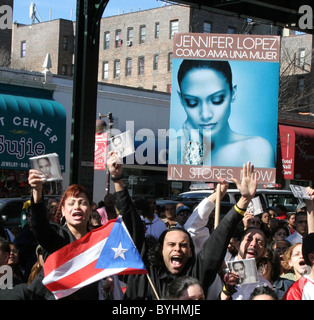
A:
5, 31
135, 48
31, 43
296, 92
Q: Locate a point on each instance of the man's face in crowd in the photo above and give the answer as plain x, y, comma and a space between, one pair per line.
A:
252, 245
176, 251
301, 224
170, 212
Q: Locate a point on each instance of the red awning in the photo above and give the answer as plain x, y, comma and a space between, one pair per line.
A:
295, 158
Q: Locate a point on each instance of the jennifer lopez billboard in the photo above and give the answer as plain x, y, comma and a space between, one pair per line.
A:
224, 106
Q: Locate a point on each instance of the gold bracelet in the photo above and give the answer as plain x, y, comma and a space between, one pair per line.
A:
238, 210
226, 292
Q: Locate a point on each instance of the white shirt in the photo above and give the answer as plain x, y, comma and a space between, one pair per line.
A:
295, 238
244, 291
197, 221
154, 228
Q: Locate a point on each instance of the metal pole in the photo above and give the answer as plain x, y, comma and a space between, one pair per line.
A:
88, 16
110, 126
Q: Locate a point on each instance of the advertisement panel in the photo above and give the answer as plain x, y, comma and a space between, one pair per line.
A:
100, 151
224, 106
31, 124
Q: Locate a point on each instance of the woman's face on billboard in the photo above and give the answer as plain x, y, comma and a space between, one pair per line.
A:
206, 98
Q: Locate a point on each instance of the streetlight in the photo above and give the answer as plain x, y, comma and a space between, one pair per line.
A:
100, 128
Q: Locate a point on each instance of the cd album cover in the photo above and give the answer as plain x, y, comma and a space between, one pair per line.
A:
49, 166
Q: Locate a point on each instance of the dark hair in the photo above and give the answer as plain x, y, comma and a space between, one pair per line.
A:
281, 207
263, 290
237, 262
179, 285
143, 205
249, 229
300, 213
307, 248
219, 65
273, 231
44, 158
274, 260
158, 257
4, 245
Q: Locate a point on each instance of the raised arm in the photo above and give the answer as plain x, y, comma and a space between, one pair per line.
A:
247, 187
124, 202
196, 223
44, 233
310, 210
211, 256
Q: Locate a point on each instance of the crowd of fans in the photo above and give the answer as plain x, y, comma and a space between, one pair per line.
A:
186, 256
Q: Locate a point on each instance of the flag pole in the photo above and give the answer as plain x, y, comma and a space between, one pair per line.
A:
217, 208
151, 283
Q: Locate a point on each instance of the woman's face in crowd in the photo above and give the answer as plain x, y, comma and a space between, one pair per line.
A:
297, 261
76, 210
206, 98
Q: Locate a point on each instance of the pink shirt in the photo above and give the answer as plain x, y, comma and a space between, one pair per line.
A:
103, 215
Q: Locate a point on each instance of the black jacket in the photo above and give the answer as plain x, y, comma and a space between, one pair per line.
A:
205, 267
51, 237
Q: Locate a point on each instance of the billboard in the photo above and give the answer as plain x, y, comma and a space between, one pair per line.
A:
224, 106
32, 124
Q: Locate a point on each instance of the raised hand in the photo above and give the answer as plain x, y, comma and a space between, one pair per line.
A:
248, 185
36, 180
114, 164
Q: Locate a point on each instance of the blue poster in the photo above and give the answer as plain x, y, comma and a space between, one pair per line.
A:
224, 110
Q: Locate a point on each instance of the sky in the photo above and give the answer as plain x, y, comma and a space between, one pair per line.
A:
62, 8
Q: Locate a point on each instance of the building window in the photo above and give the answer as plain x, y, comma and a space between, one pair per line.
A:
169, 61
129, 36
118, 40
174, 27
302, 57
65, 43
155, 62
106, 40
232, 30
105, 70
116, 73
128, 67
23, 49
207, 27
141, 64
142, 34
157, 29
64, 70
301, 85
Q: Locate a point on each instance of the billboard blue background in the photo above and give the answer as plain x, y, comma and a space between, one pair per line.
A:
255, 109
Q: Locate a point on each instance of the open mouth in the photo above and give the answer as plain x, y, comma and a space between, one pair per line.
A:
176, 261
251, 254
77, 215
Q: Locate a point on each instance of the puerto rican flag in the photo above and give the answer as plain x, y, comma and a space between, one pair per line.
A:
105, 251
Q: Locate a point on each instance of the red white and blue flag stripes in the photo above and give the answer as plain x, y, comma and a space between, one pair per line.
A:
102, 252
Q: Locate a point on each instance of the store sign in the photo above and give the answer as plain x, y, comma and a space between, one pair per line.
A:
100, 151
287, 143
30, 127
